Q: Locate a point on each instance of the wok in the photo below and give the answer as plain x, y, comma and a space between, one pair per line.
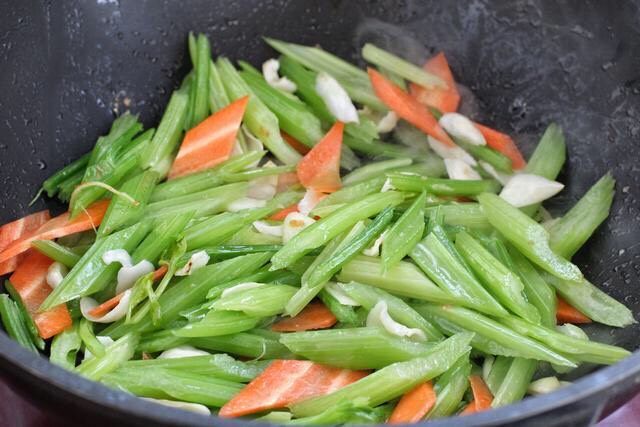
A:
68, 66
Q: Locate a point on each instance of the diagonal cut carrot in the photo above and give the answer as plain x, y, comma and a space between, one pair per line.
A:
565, 313
210, 142
13, 231
320, 168
414, 405
59, 226
446, 100
295, 144
504, 144
314, 316
30, 281
160, 272
286, 382
481, 394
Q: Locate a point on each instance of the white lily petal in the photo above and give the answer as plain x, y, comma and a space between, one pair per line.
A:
197, 260
501, 177
264, 188
104, 340
294, 223
186, 406
335, 291
117, 255
267, 229
573, 331
270, 72
459, 169
118, 312
379, 317
246, 203
336, 98
447, 152
462, 128
388, 122
387, 186
182, 351
374, 249
525, 189
310, 200
56, 273
127, 276
240, 287
545, 385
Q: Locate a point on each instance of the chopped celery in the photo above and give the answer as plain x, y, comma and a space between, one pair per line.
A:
441, 186
119, 352
404, 234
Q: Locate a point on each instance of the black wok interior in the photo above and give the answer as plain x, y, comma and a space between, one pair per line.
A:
68, 67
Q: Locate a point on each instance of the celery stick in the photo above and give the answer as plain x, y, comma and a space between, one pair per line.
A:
441, 186
64, 348
404, 234
352, 193
468, 215
53, 184
450, 389
218, 98
14, 323
515, 382
246, 344
200, 86
219, 323
499, 370
345, 314
263, 301
373, 170
119, 352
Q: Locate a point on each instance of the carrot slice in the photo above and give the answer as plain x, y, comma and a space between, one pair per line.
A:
58, 227
210, 142
469, 409
286, 382
295, 144
160, 272
320, 168
504, 144
565, 313
30, 281
481, 394
445, 100
281, 215
13, 231
407, 107
106, 306
414, 405
314, 316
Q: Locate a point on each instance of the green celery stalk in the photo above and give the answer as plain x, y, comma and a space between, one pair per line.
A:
351, 193
515, 382
91, 274
15, 323
374, 147
485, 326
88, 338
503, 283
347, 413
373, 170
66, 188
159, 341
200, 86
246, 344
571, 231
527, 236
305, 81
444, 267
404, 234
401, 67
159, 383
221, 252
442, 186
320, 232
26, 316
487, 154
121, 213
345, 314
252, 174
498, 371
161, 237
219, 323
392, 380
218, 98
65, 347
354, 80
119, 352
403, 279
263, 301
468, 215
368, 297
450, 389
56, 252
53, 184
258, 118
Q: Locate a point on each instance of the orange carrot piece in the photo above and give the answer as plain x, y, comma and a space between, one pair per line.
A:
106, 306
281, 215
211, 141
320, 168
565, 313
295, 144
414, 405
504, 144
481, 394
160, 272
286, 382
286, 180
13, 231
445, 100
314, 316
58, 227
30, 281
407, 107
469, 409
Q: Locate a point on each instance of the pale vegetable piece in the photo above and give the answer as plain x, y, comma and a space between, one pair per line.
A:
546, 385
447, 152
117, 255
270, 72
387, 186
487, 364
572, 331
56, 273
127, 275
459, 169
379, 317
185, 406
263, 227
310, 200
501, 177
374, 249
341, 296
336, 99
197, 260
118, 312
104, 340
182, 351
246, 203
294, 223
240, 287
388, 122
264, 188
460, 127
525, 189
